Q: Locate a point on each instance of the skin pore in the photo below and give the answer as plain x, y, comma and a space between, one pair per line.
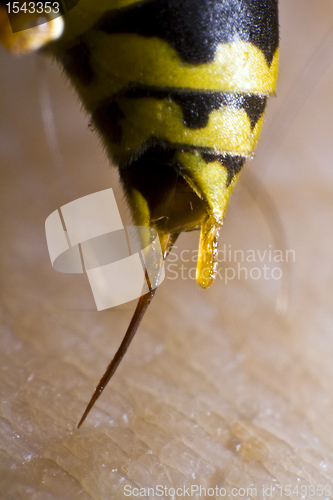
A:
217, 388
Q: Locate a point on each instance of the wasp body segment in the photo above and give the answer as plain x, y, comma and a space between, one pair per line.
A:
177, 91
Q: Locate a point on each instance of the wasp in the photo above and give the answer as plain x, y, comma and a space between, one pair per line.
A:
177, 91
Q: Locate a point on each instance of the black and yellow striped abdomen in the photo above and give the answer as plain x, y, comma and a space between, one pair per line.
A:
177, 90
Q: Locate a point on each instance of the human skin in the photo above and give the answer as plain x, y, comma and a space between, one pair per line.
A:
219, 387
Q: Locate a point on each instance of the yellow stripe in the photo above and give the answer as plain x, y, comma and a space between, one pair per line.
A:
228, 129
118, 60
209, 181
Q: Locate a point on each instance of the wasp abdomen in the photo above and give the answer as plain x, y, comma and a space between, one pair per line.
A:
178, 95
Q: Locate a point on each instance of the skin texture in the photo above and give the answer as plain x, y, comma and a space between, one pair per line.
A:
218, 388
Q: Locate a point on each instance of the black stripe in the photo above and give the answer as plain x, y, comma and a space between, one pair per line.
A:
173, 205
197, 106
76, 62
154, 172
106, 118
194, 28
233, 164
